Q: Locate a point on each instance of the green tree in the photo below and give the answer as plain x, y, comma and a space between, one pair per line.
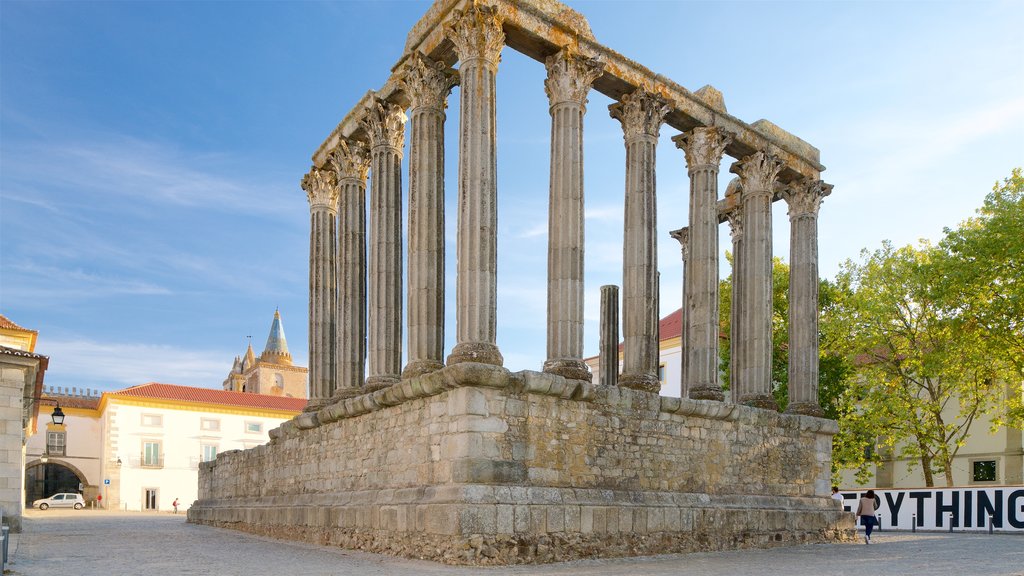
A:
915, 362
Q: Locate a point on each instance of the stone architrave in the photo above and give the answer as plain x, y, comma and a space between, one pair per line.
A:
427, 83
804, 199
321, 186
478, 39
351, 161
735, 217
385, 127
608, 360
641, 114
570, 76
683, 237
757, 174
703, 147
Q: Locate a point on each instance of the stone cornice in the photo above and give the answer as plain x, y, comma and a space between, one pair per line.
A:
641, 114
427, 82
703, 147
321, 186
570, 76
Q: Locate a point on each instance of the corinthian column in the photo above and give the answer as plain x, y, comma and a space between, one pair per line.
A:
427, 84
683, 237
736, 364
641, 114
569, 79
478, 39
757, 175
385, 127
703, 148
351, 161
321, 188
804, 199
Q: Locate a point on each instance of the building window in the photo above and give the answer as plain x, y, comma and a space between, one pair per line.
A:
983, 471
279, 380
152, 420
209, 452
151, 455
55, 443
254, 427
209, 424
661, 374
149, 499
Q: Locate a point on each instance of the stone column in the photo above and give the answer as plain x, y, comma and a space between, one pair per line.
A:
608, 349
321, 188
351, 161
757, 175
703, 147
478, 39
736, 311
427, 83
683, 237
385, 128
569, 79
804, 199
641, 114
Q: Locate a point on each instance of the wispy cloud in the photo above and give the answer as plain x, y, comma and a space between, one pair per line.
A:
74, 363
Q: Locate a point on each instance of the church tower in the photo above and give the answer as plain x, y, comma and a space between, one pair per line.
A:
272, 372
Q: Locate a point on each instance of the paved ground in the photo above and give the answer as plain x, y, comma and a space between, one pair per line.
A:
114, 544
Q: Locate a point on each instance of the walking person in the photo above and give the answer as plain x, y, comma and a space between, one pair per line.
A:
175, 504
866, 511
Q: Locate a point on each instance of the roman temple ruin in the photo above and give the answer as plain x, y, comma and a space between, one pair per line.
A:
461, 460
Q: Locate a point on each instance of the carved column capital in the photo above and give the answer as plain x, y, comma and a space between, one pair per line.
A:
735, 217
757, 172
640, 113
683, 237
477, 35
804, 196
321, 186
570, 76
350, 160
385, 125
703, 146
428, 82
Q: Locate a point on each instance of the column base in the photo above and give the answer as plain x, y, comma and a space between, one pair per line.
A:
374, 383
571, 368
347, 392
642, 382
481, 352
765, 401
805, 408
707, 393
421, 367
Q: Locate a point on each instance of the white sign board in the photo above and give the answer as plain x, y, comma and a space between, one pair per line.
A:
937, 508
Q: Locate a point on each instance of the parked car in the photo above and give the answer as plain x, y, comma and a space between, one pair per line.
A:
66, 500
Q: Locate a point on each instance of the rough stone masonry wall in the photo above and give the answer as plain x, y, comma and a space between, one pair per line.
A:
473, 464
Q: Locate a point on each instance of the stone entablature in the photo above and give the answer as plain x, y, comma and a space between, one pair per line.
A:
475, 454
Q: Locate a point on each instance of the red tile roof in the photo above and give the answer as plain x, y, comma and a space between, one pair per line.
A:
85, 402
5, 322
225, 397
671, 326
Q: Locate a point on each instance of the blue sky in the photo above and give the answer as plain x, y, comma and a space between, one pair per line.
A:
150, 154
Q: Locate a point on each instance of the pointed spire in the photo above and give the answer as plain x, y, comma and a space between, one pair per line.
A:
250, 358
276, 350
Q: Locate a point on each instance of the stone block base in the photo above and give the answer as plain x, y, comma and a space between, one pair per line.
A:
495, 525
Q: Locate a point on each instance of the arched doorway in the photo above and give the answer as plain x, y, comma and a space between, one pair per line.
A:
43, 480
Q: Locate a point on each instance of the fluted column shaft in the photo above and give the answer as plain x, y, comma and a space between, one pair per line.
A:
703, 147
351, 161
322, 192
384, 125
478, 39
428, 84
804, 199
641, 114
757, 174
736, 364
569, 78
608, 359
683, 237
